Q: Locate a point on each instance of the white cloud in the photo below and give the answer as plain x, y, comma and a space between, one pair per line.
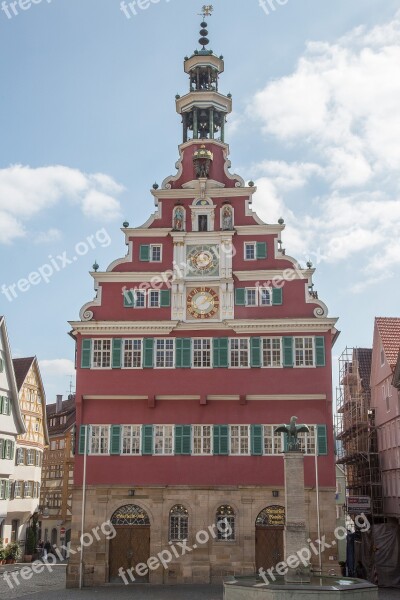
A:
57, 367
26, 192
340, 108
46, 237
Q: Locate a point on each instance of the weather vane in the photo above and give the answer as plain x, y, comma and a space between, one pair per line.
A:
207, 10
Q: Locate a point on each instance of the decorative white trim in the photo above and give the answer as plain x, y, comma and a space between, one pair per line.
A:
286, 397
217, 398
285, 325
125, 259
112, 397
86, 314
182, 397
144, 233
265, 275
128, 276
99, 328
248, 210
254, 230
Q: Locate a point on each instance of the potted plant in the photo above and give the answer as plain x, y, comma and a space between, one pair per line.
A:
12, 552
30, 544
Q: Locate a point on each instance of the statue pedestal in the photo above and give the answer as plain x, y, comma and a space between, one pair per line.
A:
295, 529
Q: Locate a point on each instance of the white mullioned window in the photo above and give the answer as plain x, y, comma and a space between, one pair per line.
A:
17, 489
251, 297
153, 299
239, 352
20, 456
178, 523
8, 450
202, 439
131, 439
28, 489
6, 405
132, 354
304, 351
225, 521
99, 439
101, 354
3, 486
140, 298
163, 439
155, 253
240, 439
307, 441
250, 251
265, 296
202, 353
272, 352
30, 457
165, 350
273, 442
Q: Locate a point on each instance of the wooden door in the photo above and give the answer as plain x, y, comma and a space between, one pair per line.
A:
269, 547
130, 547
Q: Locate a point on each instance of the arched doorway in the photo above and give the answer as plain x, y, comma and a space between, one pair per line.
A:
270, 525
131, 545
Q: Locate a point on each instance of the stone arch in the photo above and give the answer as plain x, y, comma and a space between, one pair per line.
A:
130, 515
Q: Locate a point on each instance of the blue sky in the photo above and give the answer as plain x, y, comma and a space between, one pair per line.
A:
88, 123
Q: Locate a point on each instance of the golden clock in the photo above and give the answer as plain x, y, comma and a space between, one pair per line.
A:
202, 303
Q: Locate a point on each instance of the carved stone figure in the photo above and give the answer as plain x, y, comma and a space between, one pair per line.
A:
227, 220
292, 431
179, 219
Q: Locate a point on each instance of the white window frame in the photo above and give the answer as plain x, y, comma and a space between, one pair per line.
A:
241, 436
102, 429
202, 350
304, 350
17, 489
20, 455
28, 489
275, 438
202, 439
239, 350
8, 450
254, 244
247, 291
270, 351
134, 350
308, 441
3, 487
102, 352
163, 437
153, 246
30, 457
143, 294
157, 293
260, 291
164, 350
130, 437
6, 405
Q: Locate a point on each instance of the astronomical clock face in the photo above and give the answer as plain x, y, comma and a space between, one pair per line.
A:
202, 261
202, 303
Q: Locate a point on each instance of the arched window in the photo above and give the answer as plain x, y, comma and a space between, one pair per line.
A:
178, 523
225, 522
130, 514
271, 516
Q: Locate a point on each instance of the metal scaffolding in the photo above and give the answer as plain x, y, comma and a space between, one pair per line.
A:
356, 433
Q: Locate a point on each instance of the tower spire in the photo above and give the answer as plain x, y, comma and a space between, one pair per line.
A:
204, 109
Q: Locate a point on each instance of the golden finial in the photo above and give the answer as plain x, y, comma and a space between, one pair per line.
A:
207, 10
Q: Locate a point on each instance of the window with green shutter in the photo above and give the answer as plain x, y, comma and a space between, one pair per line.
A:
86, 354
115, 439
144, 253
240, 296
148, 353
147, 440
116, 353
320, 360
82, 432
261, 249
255, 352
256, 436
287, 344
221, 439
183, 439
322, 440
165, 298
129, 298
220, 352
183, 349
277, 296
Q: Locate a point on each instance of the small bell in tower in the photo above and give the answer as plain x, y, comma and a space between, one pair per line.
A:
202, 160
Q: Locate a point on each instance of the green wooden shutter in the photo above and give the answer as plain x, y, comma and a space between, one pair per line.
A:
9, 406
183, 351
148, 352
287, 351
256, 436
115, 439
147, 439
220, 352
255, 352
165, 298
12, 450
82, 430
277, 296
86, 354
322, 440
2, 444
261, 250
7, 494
1, 365
320, 351
183, 441
1, 405
116, 353
240, 296
129, 299
144, 254
221, 439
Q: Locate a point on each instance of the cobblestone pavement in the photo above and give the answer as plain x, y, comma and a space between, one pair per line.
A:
51, 586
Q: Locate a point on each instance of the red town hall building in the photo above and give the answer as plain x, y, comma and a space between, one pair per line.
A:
199, 342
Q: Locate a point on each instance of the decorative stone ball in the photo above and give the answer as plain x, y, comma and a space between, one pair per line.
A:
251, 183
95, 267
125, 224
186, 58
177, 96
281, 221
155, 186
229, 95
309, 264
221, 57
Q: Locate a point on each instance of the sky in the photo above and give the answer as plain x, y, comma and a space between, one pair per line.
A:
88, 124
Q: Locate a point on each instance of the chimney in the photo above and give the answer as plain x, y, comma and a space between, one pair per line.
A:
59, 403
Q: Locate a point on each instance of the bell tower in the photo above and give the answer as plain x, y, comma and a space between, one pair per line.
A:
204, 109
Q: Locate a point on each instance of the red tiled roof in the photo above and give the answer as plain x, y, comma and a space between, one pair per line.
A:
21, 368
389, 330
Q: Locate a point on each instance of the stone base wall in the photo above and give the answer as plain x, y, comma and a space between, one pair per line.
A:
210, 561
